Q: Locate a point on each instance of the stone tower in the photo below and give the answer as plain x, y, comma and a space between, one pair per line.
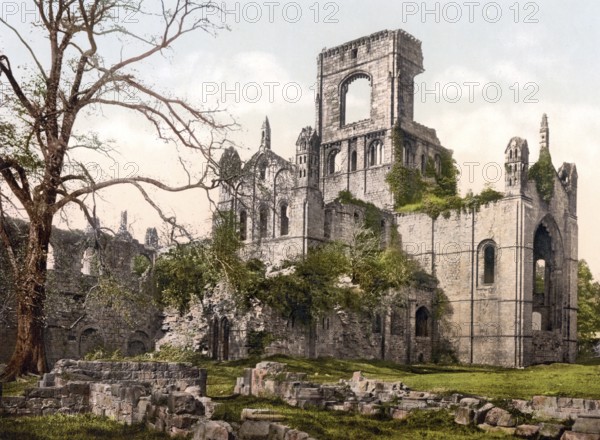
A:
307, 158
356, 155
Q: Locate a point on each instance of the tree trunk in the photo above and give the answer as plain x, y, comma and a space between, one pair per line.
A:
29, 356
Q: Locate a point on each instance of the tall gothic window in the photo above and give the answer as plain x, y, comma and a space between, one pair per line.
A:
284, 220
263, 221
422, 322
243, 225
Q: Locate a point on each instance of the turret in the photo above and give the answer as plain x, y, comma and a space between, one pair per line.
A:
307, 158
544, 133
265, 141
516, 163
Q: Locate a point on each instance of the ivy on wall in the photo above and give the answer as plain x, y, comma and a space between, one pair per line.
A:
543, 172
434, 193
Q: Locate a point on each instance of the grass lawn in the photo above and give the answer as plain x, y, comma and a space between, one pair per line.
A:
573, 380
82, 427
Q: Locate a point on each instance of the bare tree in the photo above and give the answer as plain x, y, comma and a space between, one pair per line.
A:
40, 129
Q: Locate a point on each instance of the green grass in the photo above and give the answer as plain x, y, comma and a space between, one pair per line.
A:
16, 388
81, 427
332, 425
573, 380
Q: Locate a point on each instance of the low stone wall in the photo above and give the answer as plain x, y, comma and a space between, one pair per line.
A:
168, 397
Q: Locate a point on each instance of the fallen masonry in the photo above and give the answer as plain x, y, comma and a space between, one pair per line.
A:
171, 397
373, 397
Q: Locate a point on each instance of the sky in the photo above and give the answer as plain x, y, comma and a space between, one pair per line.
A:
491, 70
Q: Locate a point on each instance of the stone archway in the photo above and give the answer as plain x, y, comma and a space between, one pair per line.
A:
90, 340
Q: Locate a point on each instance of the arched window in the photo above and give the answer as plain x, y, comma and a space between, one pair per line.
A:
262, 170
263, 221
332, 165
353, 161
536, 321
422, 322
90, 340
423, 164
380, 152
356, 218
283, 219
372, 155
224, 340
489, 263
243, 225
438, 164
87, 260
377, 323
356, 99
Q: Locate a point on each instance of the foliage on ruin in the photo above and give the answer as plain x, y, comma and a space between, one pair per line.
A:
588, 316
435, 206
409, 186
258, 341
433, 193
373, 216
543, 173
140, 265
309, 287
189, 270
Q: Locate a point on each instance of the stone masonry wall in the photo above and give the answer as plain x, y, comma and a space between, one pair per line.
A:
79, 319
168, 397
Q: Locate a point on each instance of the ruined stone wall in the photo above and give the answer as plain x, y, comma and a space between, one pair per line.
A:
387, 333
79, 317
168, 397
491, 323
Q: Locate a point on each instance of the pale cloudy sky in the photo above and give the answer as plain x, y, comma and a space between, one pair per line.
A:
540, 55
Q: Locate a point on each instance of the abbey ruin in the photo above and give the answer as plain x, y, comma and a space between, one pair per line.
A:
508, 268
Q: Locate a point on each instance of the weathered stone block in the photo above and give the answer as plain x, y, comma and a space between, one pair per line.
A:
570, 435
464, 415
184, 403
550, 431
586, 424
527, 431
251, 430
496, 414
480, 413
213, 430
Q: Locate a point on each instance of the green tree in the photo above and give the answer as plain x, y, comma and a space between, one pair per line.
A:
83, 60
588, 317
